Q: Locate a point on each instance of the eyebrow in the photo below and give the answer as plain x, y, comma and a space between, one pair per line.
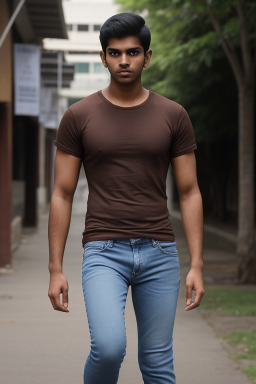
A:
118, 50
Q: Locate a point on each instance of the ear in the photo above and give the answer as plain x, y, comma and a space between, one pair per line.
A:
147, 58
103, 59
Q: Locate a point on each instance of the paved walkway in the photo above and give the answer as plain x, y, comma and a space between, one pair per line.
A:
40, 345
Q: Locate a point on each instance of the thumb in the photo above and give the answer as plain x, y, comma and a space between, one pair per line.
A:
189, 295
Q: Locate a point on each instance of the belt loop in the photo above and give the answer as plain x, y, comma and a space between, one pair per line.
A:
154, 242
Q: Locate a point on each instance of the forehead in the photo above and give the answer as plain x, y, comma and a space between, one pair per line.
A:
124, 43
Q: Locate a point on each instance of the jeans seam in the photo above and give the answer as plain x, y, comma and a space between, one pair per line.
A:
167, 252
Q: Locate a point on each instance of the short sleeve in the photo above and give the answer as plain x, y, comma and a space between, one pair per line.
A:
183, 140
68, 137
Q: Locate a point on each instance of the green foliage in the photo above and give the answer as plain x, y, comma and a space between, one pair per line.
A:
231, 30
188, 62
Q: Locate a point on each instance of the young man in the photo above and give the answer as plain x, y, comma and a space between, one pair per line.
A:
126, 136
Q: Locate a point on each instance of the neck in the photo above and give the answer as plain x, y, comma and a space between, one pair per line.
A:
125, 92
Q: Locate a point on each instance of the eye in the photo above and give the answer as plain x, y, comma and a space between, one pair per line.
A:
132, 53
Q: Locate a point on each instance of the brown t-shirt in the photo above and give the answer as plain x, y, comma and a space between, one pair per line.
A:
126, 153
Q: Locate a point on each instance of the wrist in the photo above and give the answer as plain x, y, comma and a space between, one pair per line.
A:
55, 269
197, 265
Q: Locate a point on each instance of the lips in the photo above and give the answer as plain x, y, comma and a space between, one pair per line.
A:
124, 72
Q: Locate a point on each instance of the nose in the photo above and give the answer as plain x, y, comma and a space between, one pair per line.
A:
124, 59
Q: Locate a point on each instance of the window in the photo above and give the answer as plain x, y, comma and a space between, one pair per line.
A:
99, 68
81, 67
96, 27
82, 27
69, 27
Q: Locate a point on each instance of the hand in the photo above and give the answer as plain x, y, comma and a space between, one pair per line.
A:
194, 281
58, 284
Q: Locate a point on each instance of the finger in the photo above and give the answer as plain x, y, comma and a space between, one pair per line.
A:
196, 302
56, 303
65, 298
52, 301
189, 294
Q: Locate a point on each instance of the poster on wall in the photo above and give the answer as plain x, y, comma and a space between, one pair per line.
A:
26, 79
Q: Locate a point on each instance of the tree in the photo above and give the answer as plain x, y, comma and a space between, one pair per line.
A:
189, 33
244, 72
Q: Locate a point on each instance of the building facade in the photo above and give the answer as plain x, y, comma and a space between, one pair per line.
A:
20, 138
82, 47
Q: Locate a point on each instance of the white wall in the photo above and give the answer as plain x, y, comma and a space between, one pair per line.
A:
86, 43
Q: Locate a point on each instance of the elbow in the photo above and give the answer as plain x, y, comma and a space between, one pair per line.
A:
188, 192
63, 193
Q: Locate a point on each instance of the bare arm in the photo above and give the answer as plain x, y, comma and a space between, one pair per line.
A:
67, 169
191, 206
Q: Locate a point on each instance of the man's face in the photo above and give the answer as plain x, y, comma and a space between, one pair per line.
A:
125, 54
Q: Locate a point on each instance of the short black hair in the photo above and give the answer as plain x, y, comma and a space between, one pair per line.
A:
122, 25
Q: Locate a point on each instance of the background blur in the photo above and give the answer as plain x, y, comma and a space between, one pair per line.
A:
49, 60
204, 57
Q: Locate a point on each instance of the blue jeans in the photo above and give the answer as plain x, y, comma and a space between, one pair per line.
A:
152, 269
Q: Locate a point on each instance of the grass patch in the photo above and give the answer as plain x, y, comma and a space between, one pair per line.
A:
250, 370
236, 302
230, 301
245, 341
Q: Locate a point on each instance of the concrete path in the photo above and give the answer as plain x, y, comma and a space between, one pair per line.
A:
40, 345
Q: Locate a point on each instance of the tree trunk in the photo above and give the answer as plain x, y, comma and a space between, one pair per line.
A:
246, 248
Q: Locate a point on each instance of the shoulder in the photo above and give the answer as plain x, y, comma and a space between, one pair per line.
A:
169, 109
168, 105
82, 109
84, 105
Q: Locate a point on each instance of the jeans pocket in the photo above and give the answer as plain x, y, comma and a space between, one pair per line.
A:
167, 247
95, 246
